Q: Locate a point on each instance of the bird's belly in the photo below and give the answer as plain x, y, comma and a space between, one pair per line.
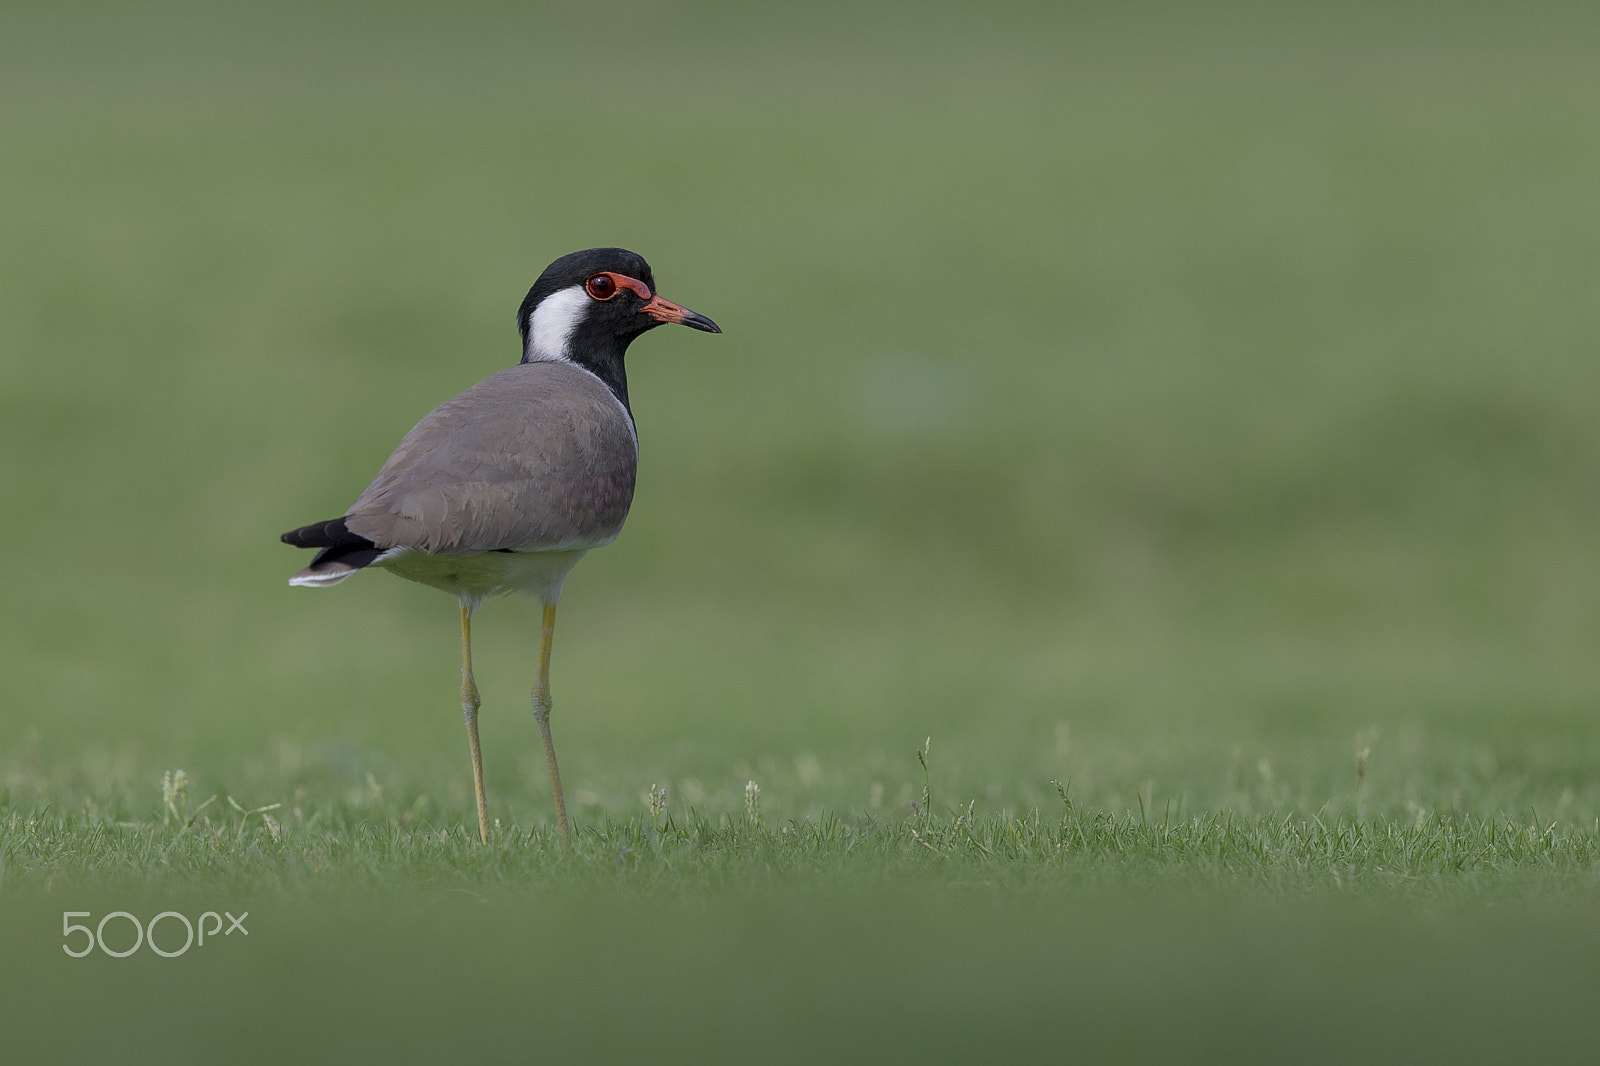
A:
475, 578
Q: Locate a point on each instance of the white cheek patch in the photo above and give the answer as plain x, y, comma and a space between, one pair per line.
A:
552, 323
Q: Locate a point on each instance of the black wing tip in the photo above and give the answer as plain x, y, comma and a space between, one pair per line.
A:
338, 544
330, 534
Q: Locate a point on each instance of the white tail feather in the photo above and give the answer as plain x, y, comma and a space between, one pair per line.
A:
323, 577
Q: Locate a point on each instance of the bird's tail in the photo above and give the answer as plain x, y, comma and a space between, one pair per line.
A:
342, 554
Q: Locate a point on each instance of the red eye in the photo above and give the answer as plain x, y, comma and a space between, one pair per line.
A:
601, 287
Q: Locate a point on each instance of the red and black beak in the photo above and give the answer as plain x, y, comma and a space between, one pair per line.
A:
667, 311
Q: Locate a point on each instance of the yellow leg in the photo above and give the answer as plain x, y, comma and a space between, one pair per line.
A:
469, 708
541, 714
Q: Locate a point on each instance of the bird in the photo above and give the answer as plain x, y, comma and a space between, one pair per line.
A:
503, 488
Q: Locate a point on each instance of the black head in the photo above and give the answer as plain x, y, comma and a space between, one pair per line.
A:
587, 307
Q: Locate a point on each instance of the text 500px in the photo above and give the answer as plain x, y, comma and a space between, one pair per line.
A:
144, 934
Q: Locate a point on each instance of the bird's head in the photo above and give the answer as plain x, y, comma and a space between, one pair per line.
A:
587, 307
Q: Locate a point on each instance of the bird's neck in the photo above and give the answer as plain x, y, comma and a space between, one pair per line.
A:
602, 357
613, 373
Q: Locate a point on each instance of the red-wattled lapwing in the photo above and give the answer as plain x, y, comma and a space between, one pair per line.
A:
504, 488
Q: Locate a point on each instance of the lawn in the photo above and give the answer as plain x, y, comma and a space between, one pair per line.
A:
1124, 584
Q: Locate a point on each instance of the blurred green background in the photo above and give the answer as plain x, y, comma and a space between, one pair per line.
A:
1172, 401
1169, 399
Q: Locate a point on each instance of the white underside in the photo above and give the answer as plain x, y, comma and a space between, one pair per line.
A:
475, 578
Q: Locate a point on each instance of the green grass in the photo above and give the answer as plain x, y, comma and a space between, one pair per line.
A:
1192, 405
934, 937
1449, 859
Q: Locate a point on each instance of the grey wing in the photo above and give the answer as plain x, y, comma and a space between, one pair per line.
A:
538, 457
